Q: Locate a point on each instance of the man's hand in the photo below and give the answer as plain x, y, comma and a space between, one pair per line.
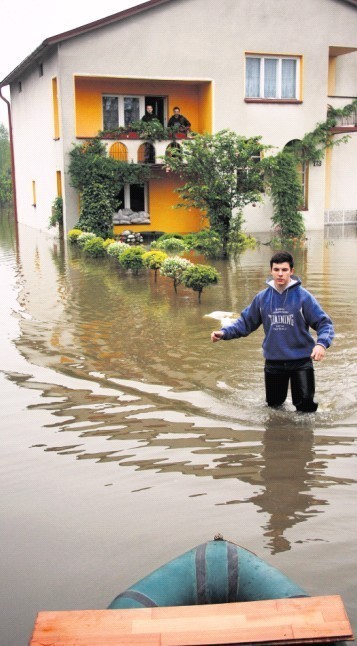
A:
318, 353
216, 336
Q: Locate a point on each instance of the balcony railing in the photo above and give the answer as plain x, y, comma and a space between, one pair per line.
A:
131, 146
349, 120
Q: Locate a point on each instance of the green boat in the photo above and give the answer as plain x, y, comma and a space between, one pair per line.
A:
215, 572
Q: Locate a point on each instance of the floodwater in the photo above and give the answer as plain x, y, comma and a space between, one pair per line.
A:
127, 437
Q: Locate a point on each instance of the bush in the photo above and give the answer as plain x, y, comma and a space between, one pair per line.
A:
154, 259
57, 212
115, 249
132, 258
73, 235
170, 244
97, 208
94, 247
84, 236
197, 277
174, 268
205, 241
108, 241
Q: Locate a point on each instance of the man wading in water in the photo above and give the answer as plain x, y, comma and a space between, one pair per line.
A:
287, 311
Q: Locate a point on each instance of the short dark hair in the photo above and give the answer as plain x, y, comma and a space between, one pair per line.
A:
176, 108
282, 256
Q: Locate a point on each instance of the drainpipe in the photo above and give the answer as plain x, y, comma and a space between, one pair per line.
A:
11, 154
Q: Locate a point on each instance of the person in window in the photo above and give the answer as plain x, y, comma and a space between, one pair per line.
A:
287, 311
149, 115
178, 121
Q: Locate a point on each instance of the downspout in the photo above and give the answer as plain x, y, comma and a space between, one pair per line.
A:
11, 154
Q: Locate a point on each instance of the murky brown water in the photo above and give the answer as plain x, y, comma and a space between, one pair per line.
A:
128, 438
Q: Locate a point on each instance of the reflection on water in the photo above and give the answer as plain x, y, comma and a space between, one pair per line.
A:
118, 371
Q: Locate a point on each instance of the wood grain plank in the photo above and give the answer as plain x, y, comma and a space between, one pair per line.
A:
288, 621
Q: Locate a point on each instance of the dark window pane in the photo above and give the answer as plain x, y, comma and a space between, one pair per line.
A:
137, 197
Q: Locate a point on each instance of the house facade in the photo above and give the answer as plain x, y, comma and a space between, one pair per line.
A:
268, 68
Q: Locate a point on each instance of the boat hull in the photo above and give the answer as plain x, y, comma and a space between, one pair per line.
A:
215, 572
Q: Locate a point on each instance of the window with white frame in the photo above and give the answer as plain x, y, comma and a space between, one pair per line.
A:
120, 110
134, 197
272, 77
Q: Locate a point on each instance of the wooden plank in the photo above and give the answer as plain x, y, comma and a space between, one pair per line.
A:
289, 621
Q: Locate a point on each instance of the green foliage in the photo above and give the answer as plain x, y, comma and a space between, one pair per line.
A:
223, 173
94, 247
149, 130
206, 241
197, 277
154, 259
173, 268
99, 179
84, 236
286, 194
132, 258
5, 168
170, 244
57, 212
108, 241
97, 208
73, 235
115, 249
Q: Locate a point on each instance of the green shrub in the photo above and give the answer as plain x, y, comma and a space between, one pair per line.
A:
206, 241
57, 212
197, 277
94, 247
108, 241
154, 259
84, 236
170, 244
97, 208
132, 258
115, 249
73, 235
174, 268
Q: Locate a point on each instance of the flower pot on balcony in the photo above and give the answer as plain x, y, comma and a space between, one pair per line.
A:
128, 135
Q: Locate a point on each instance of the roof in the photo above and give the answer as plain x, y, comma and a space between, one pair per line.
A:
91, 26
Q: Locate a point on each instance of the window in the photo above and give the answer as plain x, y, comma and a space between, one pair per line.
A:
272, 77
19, 86
146, 153
134, 197
119, 151
121, 110
40, 69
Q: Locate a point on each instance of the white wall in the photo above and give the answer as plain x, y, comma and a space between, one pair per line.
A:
37, 155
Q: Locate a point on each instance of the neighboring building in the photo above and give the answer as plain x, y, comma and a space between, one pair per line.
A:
258, 67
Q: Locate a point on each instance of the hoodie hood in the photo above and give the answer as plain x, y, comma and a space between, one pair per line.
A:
294, 281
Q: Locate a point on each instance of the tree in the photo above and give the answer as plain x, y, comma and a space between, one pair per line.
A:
222, 174
197, 277
5, 167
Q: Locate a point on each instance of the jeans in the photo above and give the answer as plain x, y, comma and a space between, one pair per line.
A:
300, 373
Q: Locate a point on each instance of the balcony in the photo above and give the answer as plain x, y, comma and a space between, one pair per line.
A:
347, 122
142, 146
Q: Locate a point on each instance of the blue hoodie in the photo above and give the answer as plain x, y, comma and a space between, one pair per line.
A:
286, 317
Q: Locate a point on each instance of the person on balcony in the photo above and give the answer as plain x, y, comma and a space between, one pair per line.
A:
178, 121
149, 115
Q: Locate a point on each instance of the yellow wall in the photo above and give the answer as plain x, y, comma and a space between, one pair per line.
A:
56, 127
163, 216
194, 99
331, 75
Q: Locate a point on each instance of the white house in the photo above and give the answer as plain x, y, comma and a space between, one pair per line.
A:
258, 67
